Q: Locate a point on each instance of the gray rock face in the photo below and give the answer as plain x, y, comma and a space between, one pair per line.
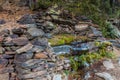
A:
3, 62
95, 31
25, 48
20, 41
34, 32
33, 75
62, 49
24, 57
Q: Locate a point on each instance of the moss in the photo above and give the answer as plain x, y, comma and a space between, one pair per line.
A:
61, 39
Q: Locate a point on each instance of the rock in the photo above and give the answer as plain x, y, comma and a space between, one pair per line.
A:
25, 48
7, 56
1, 39
62, 49
40, 56
26, 19
34, 32
10, 52
49, 25
59, 68
50, 65
2, 21
33, 75
1, 50
24, 56
87, 76
37, 48
9, 69
4, 76
81, 27
48, 35
30, 64
108, 64
14, 36
20, 41
95, 31
38, 68
30, 26
105, 75
40, 42
57, 77
22, 71
3, 62
18, 31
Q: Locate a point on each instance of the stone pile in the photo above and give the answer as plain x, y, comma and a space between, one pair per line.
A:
26, 55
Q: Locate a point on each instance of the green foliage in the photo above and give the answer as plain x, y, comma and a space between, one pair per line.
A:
102, 52
61, 39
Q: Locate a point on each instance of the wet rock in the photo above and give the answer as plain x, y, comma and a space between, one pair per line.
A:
115, 43
26, 19
20, 41
87, 76
81, 27
108, 64
33, 75
3, 62
40, 56
25, 48
59, 68
80, 47
34, 32
18, 31
62, 49
50, 65
4, 32
66, 66
105, 75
